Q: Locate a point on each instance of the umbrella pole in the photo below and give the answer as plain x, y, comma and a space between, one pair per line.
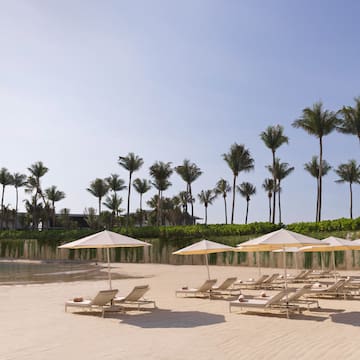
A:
322, 261
286, 287
296, 260
258, 260
207, 265
108, 260
333, 256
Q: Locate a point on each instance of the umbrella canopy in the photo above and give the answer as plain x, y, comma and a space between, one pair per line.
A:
104, 240
280, 239
356, 242
204, 247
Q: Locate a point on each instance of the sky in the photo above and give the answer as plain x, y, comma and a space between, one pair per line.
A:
84, 82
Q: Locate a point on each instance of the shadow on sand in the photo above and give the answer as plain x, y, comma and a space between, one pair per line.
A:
348, 318
161, 318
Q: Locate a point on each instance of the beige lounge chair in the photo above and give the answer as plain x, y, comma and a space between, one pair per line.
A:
271, 282
300, 277
251, 284
275, 302
335, 290
203, 290
295, 297
135, 297
102, 301
226, 288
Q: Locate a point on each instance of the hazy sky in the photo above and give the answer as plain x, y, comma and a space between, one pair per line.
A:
82, 82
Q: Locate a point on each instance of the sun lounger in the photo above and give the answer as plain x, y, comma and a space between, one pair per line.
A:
338, 289
300, 277
270, 282
135, 297
102, 301
251, 284
203, 290
275, 302
226, 288
295, 297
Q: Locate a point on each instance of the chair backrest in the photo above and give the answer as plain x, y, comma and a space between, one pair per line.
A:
305, 274
137, 293
299, 293
299, 275
271, 278
207, 285
334, 287
277, 298
261, 279
227, 283
103, 297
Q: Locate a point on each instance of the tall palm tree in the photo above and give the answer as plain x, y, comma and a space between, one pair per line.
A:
115, 183
206, 197
238, 159
222, 188
37, 171
5, 180
268, 186
189, 172
113, 203
54, 195
19, 180
160, 172
350, 122
318, 122
99, 188
280, 171
350, 173
312, 167
131, 163
142, 186
246, 190
273, 137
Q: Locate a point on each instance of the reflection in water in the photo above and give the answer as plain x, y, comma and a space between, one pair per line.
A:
19, 272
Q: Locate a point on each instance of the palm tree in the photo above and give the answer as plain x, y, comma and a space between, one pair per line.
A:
113, 203
222, 188
280, 172
318, 122
99, 188
350, 173
189, 172
5, 180
246, 190
268, 186
131, 163
312, 167
19, 180
141, 186
160, 172
206, 197
115, 183
273, 137
350, 122
54, 195
238, 159
37, 171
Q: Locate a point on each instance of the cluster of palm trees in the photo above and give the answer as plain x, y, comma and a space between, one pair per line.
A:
315, 120
41, 205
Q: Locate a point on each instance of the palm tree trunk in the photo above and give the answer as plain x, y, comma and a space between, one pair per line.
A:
2, 207
351, 201
274, 190
320, 179
279, 203
16, 207
192, 205
128, 201
269, 197
233, 200
141, 213
247, 211
158, 209
99, 206
54, 215
317, 199
225, 210
206, 214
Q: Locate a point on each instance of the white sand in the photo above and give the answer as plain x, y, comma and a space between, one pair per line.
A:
35, 326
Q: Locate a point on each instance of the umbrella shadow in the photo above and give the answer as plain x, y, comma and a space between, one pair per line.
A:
283, 316
348, 318
162, 318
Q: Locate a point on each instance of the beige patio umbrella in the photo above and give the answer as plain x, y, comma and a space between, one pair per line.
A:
334, 244
105, 240
280, 239
204, 247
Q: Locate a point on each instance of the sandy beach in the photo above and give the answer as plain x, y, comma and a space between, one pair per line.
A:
34, 324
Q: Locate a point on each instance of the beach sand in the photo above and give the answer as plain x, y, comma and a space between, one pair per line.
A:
35, 326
